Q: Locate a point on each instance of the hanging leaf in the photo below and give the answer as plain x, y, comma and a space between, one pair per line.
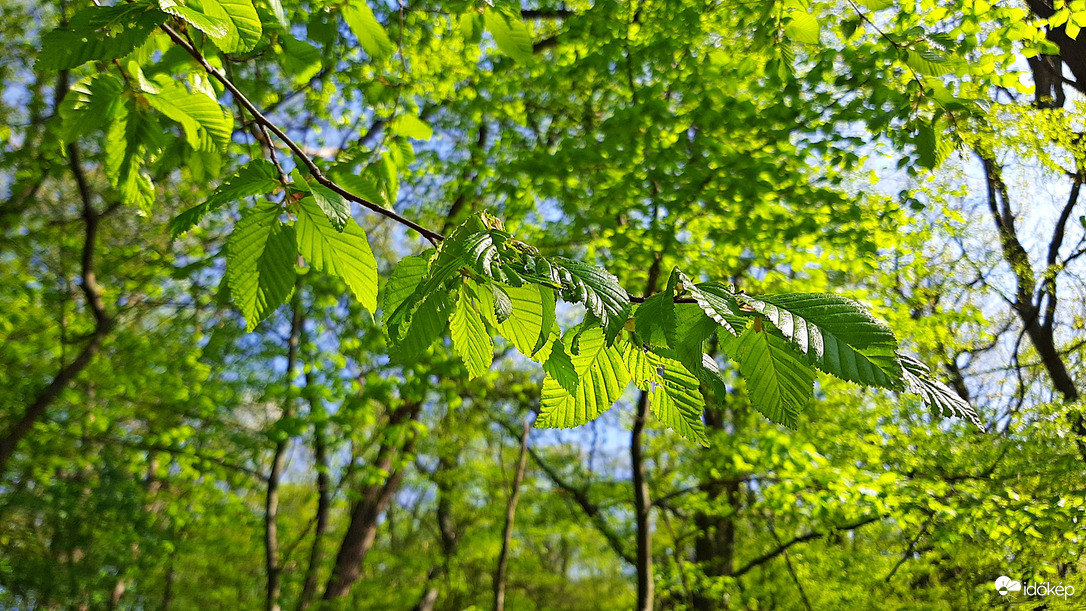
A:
260, 259
841, 337
803, 27
470, 338
510, 34
938, 396
779, 382
344, 252
602, 377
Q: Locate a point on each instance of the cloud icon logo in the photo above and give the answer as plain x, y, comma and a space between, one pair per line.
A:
1005, 585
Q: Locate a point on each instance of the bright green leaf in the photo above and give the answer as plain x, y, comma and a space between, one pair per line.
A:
261, 253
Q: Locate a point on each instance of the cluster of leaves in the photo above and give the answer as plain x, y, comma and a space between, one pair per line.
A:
480, 281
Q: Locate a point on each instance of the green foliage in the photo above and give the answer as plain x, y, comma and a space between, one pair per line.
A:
260, 263
233, 25
343, 251
99, 33
370, 33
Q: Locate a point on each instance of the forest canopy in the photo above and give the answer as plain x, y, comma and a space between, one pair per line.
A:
663, 305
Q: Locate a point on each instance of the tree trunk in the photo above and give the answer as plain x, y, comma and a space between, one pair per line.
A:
324, 500
362, 529
510, 515
279, 459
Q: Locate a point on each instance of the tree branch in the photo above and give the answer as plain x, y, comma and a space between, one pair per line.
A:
306, 160
811, 536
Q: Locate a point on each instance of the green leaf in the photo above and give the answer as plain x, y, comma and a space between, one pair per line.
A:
843, 339
598, 290
410, 126
502, 303
510, 34
344, 253
525, 326
254, 178
803, 27
693, 328
549, 313
90, 104
98, 33
371, 34
403, 281
928, 62
335, 208
876, 5
779, 382
938, 396
426, 324
602, 379
207, 125
261, 254
300, 59
559, 366
470, 339
654, 320
127, 144
674, 395
233, 25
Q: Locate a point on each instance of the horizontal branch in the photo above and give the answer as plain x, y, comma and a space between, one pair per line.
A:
766, 557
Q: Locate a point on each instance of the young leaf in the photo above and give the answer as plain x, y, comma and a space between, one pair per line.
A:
403, 281
718, 302
410, 126
470, 339
559, 366
207, 126
261, 254
674, 395
343, 253
840, 335
654, 320
779, 381
254, 178
510, 34
233, 25
603, 378
128, 139
426, 324
370, 33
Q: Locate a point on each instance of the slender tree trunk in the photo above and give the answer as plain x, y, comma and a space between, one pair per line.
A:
362, 529
279, 459
642, 507
324, 500
510, 514
642, 500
